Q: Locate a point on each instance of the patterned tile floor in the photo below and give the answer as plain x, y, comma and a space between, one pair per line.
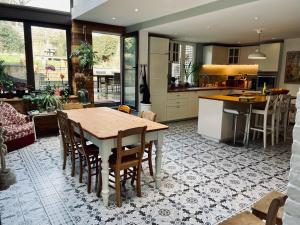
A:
203, 183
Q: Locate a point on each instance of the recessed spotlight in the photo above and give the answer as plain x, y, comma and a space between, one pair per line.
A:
208, 27
239, 42
255, 18
114, 18
273, 38
136, 9
175, 33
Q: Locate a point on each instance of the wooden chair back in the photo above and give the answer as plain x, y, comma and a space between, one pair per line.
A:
284, 103
77, 137
136, 152
125, 109
69, 106
64, 127
148, 115
273, 209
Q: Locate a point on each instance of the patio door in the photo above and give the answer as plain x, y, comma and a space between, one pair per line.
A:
130, 70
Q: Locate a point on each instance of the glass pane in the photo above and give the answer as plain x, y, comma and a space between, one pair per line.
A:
189, 59
107, 82
60, 5
231, 51
50, 59
12, 51
176, 68
236, 53
129, 70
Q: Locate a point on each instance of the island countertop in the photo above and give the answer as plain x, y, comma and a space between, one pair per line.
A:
228, 98
205, 89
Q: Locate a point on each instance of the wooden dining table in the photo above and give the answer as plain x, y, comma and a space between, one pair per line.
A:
101, 126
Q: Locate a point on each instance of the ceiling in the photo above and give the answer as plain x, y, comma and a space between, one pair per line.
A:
124, 10
232, 24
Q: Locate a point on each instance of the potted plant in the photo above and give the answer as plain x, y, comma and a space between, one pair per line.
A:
86, 60
191, 69
7, 85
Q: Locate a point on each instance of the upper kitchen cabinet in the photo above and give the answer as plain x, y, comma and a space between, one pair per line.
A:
159, 45
213, 54
271, 63
272, 52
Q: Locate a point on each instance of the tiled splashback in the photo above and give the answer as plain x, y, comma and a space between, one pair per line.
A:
229, 70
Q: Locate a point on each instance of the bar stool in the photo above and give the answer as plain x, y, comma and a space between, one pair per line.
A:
283, 109
236, 113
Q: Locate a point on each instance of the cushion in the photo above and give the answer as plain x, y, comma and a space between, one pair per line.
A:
15, 131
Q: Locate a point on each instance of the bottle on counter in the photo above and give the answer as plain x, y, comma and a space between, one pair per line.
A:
264, 90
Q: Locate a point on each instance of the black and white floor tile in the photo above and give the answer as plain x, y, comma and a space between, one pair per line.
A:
203, 183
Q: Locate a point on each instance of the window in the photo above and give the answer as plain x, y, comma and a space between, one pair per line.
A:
59, 5
182, 56
12, 51
233, 57
50, 61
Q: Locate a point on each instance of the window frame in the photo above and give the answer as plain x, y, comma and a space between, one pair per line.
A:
182, 56
29, 51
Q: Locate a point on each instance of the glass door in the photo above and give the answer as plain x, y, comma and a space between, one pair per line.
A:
130, 70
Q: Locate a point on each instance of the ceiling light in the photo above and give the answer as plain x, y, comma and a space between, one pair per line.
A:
273, 38
256, 18
258, 54
208, 27
114, 18
239, 42
136, 9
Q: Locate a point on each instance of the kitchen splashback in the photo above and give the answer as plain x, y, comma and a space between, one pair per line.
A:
229, 70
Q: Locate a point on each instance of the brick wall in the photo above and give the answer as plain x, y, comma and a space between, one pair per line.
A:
292, 207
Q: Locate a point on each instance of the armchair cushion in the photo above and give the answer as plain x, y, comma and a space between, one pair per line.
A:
9, 115
14, 131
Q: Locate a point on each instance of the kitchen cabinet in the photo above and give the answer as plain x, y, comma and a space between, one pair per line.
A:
213, 54
244, 52
271, 63
158, 73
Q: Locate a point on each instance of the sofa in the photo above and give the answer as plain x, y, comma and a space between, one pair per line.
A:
18, 129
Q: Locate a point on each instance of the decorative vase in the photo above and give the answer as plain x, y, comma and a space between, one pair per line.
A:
83, 96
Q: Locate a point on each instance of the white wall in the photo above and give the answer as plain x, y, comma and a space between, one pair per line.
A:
292, 206
289, 45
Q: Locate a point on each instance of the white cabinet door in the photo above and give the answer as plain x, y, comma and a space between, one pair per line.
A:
159, 107
220, 55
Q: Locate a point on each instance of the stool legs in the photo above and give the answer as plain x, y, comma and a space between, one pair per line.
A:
235, 117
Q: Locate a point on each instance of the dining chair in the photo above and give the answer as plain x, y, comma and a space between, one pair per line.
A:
282, 116
127, 160
247, 217
148, 146
88, 154
125, 109
64, 128
69, 106
261, 119
261, 207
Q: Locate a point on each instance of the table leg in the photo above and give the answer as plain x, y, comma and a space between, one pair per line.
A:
106, 85
98, 84
158, 159
105, 151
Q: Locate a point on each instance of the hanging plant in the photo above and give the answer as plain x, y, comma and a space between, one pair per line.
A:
86, 56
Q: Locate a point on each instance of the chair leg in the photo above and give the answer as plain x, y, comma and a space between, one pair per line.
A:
285, 121
89, 187
255, 125
81, 169
73, 163
265, 130
235, 117
138, 182
125, 179
273, 129
133, 176
99, 189
150, 159
118, 189
65, 159
277, 127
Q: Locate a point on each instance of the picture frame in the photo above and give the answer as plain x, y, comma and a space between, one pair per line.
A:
292, 67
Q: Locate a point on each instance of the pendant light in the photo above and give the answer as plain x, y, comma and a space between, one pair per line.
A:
257, 54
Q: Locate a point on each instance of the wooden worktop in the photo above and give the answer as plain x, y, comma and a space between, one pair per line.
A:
204, 89
104, 123
226, 98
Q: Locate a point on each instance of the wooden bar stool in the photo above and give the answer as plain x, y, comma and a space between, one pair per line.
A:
282, 116
127, 160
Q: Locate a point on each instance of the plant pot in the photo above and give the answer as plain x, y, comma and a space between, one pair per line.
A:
9, 95
83, 96
145, 107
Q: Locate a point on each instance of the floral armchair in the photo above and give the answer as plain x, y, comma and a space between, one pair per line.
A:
18, 130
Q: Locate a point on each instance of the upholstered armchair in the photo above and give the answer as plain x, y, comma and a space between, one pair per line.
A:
18, 130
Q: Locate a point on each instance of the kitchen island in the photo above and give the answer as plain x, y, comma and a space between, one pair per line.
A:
216, 125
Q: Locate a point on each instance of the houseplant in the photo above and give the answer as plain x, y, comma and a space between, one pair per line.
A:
191, 70
6, 84
86, 60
